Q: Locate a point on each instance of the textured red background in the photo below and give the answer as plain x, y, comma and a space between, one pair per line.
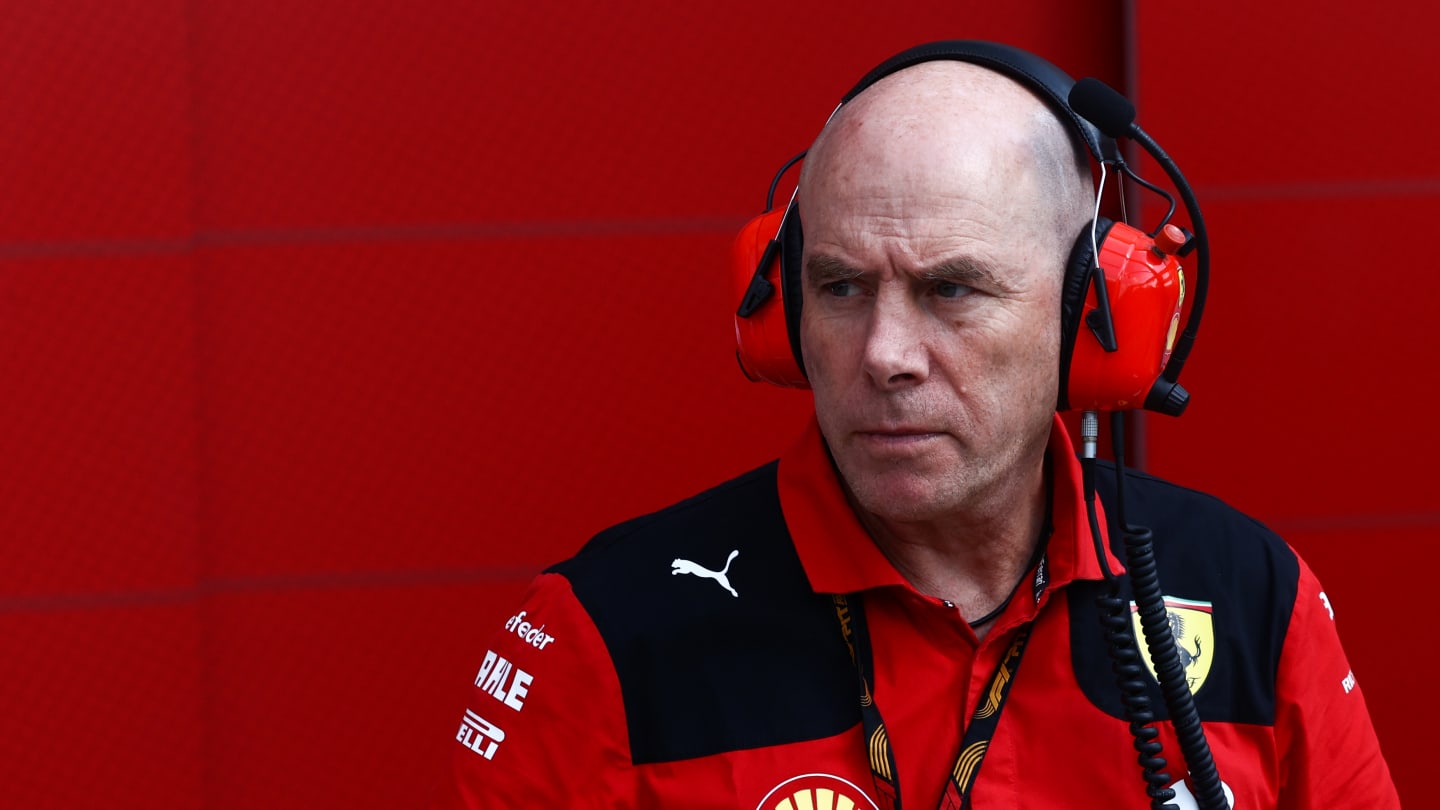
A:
325, 325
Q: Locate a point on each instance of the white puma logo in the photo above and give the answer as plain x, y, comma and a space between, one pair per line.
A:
687, 567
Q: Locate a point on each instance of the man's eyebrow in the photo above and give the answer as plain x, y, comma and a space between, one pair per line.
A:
821, 269
966, 271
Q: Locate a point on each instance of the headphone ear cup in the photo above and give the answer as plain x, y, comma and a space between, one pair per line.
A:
1146, 289
767, 331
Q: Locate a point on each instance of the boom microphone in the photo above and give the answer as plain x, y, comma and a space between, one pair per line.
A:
1102, 106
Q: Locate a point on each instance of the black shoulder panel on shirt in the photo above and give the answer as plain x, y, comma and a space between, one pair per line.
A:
704, 671
1205, 551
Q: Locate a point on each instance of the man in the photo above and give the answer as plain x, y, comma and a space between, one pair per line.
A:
927, 535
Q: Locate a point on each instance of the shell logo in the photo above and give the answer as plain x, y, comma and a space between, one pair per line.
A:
816, 791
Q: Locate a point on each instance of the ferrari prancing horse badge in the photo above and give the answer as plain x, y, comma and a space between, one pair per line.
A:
1190, 623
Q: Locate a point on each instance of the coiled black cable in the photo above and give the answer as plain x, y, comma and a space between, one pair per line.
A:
1130, 677
1204, 778
1124, 655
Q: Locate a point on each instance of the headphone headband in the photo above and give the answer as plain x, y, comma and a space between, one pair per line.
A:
1046, 80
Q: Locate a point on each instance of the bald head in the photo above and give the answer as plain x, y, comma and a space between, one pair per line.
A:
954, 120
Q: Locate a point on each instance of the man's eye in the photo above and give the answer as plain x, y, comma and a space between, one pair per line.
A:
949, 289
842, 289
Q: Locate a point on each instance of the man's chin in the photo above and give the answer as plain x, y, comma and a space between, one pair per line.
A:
903, 501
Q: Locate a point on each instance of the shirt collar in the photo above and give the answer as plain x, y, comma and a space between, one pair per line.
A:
839, 556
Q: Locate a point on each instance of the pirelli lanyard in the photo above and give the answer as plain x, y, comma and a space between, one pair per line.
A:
851, 613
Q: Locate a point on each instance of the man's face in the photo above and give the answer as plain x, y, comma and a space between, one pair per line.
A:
930, 326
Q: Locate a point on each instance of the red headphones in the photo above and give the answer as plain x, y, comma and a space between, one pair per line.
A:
1131, 308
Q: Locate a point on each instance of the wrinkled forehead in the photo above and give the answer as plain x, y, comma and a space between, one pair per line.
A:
946, 103
937, 132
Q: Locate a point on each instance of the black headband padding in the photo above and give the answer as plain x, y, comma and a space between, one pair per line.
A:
792, 243
1078, 272
1047, 81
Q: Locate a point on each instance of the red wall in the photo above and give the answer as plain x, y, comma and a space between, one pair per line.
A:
1304, 130
327, 325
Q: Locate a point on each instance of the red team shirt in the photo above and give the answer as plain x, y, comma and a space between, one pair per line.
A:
689, 659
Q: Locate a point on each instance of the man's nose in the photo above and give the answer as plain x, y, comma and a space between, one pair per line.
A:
895, 352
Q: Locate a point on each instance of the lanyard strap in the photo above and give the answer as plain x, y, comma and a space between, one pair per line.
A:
850, 611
